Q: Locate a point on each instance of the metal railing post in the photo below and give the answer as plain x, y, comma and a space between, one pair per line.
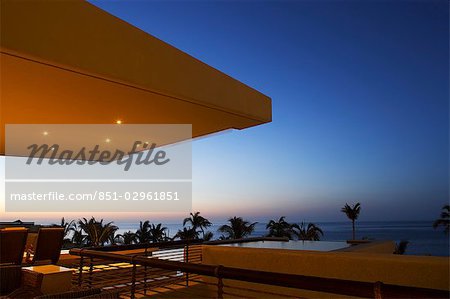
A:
220, 288
145, 272
377, 292
80, 272
145, 280
187, 261
217, 273
91, 268
133, 278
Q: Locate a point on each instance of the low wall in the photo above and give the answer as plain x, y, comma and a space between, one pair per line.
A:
384, 247
417, 271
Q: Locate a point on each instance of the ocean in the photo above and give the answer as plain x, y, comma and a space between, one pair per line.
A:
423, 239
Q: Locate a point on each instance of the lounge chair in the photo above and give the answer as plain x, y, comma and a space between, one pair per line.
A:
48, 245
12, 247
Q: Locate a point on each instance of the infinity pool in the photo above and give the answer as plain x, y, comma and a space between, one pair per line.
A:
292, 245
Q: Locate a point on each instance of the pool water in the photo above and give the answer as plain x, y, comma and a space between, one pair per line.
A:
292, 245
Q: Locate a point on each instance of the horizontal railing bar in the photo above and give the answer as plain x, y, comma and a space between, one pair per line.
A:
312, 283
329, 285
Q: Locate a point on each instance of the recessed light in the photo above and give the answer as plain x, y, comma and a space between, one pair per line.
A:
108, 140
119, 122
45, 133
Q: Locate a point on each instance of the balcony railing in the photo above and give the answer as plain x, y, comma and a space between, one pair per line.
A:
170, 266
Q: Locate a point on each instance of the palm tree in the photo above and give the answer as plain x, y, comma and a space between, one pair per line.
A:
126, 238
157, 233
186, 234
68, 226
308, 232
237, 229
97, 232
208, 236
143, 233
197, 222
352, 214
78, 238
114, 239
280, 228
444, 221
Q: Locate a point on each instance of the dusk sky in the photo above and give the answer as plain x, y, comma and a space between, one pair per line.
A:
360, 98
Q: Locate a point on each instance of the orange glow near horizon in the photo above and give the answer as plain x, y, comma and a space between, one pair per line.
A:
55, 217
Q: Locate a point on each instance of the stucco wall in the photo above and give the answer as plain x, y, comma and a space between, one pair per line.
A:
417, 271
385, 247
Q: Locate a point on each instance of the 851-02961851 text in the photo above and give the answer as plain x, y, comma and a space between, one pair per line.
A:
161, 195
97, 196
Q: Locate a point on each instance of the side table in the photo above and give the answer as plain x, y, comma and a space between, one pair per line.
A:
49, 279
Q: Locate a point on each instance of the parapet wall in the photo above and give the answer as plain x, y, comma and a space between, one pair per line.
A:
416, 271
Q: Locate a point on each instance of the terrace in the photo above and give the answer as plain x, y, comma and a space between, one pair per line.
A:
68, 61
197, 269
203, 269
232, 268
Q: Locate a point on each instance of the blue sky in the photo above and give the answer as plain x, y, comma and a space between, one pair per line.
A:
360, 94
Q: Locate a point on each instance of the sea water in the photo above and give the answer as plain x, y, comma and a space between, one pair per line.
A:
423, 239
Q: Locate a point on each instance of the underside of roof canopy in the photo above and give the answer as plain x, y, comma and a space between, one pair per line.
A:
69, 62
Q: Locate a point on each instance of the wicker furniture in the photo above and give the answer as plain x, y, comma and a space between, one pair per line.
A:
12, 246
48, 279
48, 245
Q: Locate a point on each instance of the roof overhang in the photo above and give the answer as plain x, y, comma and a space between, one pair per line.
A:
69, 62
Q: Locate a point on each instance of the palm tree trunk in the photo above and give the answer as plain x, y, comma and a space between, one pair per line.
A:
353, 228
